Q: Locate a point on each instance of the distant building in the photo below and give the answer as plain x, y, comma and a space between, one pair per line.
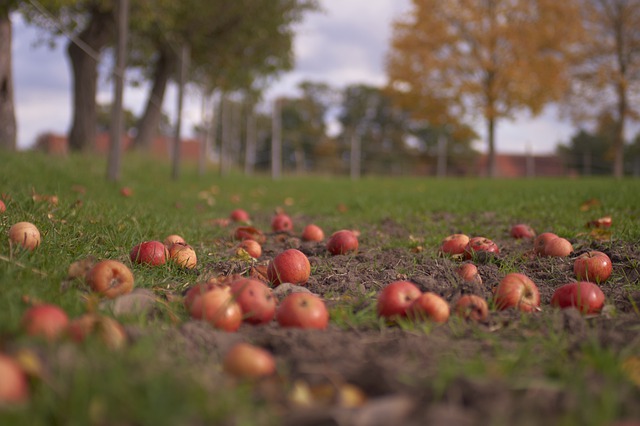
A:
517, 166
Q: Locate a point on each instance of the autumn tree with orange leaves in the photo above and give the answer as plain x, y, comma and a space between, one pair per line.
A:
452, 61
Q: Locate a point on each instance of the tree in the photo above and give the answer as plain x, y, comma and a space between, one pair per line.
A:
8, 128
452, 60
606, 68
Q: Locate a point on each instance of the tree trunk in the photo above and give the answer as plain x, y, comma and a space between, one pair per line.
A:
492, 169
618, 141
251, 138
149, 123
84, 65
8, 129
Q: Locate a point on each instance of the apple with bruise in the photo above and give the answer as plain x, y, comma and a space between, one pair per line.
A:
218, 307
480, 244
429, 306
110, 278
522, 230
25, 234
256, 300
517, 291
469, 273
252, 247
249, 233
290, 266
472, 308
281, 222
249, 362
342, 242
395, 299
183, 255
594, 266
585, 296
152, 253
45, 320
558, 247
454, 244
312, 232
302, 310
14, 386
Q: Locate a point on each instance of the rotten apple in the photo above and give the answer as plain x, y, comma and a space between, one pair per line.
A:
25, 234
252, 247
342, 242
472, 308
594, 266
303, 310
480, 244
152, 253
518, 291
429, 306
256, 300
248, 361
249, 233
110, 278
395, 299
469, 273
183, 255
290, 266
585, 296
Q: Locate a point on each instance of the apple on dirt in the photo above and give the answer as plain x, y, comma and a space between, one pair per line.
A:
522, 231
480, 244
594, 266
585, 296
252, 247
249, 233
25, 234
518, 291
110, 278
396, 298
256, 300
429, 306
14, 386
471, 307
183, 255
45, 320
249, 361
454, 244
541, 241
469, 273
312, 232
152, 253
558, 247
290, 266
218, 307
342, 242
240, 215
281, 222
302, 310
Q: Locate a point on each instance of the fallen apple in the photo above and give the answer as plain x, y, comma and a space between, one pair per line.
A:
25, 234
125, 191
152, 253
472, 308
281, 222
183, 255
302, 310
195, 291
240, 215
45, 320
480, 244
522, 230
14, 387
290, 266
110, 278
249, 233
395, 299
252, 247
3, 207
558, 247
172, 239
594, 266
342, 242
454, 244
541, 241
602, 222
312, 232
469, 273
429, 306
518, 291
256, 300
585, 296
248, 361
218, 307
107, 329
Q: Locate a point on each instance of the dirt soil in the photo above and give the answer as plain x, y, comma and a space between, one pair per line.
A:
400, 370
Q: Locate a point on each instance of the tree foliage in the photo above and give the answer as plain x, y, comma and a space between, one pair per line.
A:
453, 60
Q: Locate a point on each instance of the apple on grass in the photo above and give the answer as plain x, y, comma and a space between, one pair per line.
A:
3, 207
218, 307
107, 329
290, 266
25, 234
172, 239
256, 300
472, 308
585, 296
522, 230
240, 215
152, 253
183, 255
342, 242
303, 310
480, 244
249, 362
396, 298
594, 266
518, 291
110, 278
429, 306
251, 247
454, 244
14, 387
45, 320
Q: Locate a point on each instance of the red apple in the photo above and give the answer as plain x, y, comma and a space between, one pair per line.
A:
290, 266
152, 253
172, 239
248, 361
107, 329
125, 191
429, 306
454, 244
25, 234
395, 299
517, 290
469, 273
302, 310
45, 320
587, 297
252, 247
472, 308
3, 207
603, 222
558, 247
249, 233
594, 266
480, 244
342, 242
110, 278
240, 215
541, 241
183, 255
256, 300
14, 387
522, 230
312, 232
196, 291
218, 307
281, 222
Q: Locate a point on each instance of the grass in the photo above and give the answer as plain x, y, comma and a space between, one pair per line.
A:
93, 218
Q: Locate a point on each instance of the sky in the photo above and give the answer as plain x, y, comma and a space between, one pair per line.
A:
345, 44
